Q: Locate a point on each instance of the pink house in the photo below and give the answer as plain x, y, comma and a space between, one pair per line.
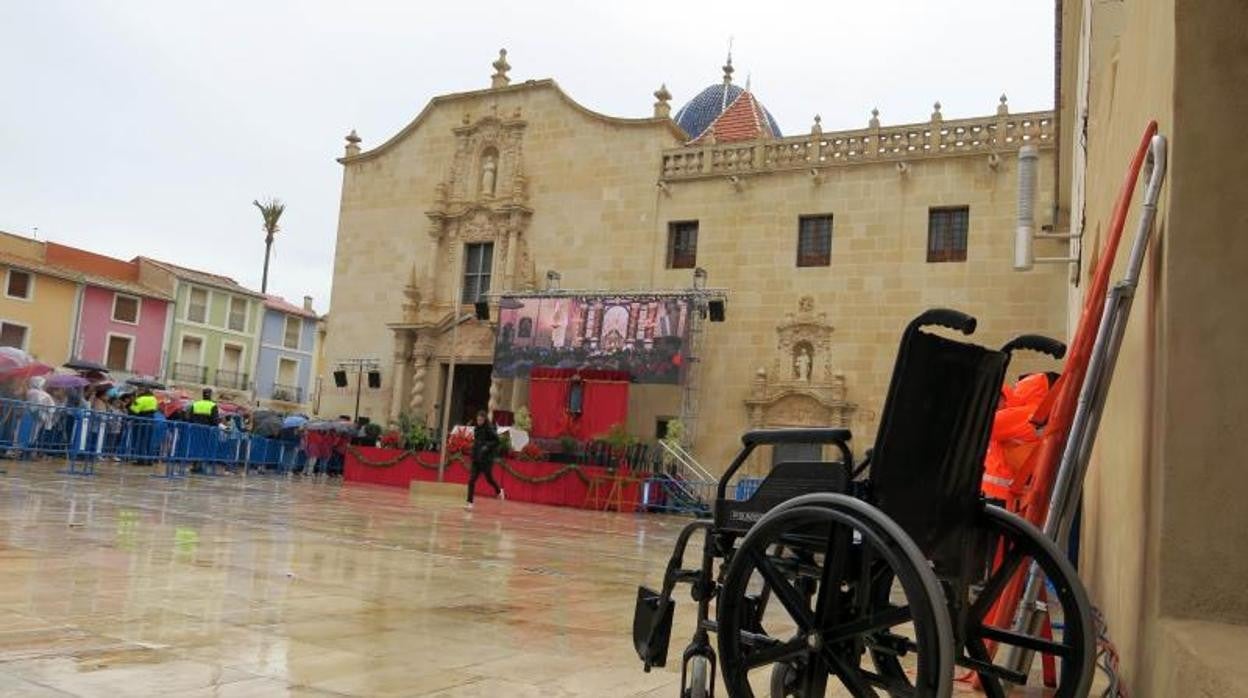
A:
121, 322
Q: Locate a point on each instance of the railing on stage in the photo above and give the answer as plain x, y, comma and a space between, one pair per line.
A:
85, 437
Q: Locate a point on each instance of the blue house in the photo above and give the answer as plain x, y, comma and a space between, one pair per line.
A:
284, 364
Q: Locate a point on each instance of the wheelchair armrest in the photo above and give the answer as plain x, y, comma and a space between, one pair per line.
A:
761, 437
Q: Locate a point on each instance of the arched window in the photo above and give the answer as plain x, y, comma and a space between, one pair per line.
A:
526, 328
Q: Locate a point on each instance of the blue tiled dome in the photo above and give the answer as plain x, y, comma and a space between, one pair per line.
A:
703, 109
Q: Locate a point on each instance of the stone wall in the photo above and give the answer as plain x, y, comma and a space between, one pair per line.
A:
593, 201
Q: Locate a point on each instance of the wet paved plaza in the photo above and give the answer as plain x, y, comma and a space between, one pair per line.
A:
128, 585
125, 585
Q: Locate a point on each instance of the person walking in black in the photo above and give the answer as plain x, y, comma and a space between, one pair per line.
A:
484, 446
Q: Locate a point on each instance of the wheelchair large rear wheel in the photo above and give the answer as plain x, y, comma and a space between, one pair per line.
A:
817, 563
1069, 643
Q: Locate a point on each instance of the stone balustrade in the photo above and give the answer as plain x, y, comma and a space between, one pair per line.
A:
1000, 134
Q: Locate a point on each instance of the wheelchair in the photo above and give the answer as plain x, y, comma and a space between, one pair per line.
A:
877, 578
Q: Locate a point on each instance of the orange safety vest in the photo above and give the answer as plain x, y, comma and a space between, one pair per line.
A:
1014, 438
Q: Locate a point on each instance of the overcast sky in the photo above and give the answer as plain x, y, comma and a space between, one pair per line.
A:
149, 127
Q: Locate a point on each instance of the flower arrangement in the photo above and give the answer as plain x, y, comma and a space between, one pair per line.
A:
531, 452
392, 439
459, 444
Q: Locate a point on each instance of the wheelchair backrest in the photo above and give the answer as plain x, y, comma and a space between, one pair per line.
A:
929, 452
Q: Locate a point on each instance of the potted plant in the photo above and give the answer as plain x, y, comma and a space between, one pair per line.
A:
372, 433
523, 419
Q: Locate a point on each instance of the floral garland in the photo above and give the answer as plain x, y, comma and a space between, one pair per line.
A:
458, 459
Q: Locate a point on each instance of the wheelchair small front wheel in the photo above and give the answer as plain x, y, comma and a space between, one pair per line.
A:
699, 677
821, 564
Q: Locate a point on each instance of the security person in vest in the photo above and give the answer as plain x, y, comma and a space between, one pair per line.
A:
144, 407
144, 404
204, 410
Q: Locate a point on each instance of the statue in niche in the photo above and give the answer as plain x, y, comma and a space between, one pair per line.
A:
801, 364
489, 172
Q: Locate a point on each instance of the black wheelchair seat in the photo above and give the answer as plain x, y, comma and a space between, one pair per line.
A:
785, 481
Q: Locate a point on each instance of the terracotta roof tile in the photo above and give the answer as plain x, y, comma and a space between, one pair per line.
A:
743, 120
76, 276
281, 304
204, 277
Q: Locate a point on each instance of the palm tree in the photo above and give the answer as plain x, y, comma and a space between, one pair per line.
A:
272, 211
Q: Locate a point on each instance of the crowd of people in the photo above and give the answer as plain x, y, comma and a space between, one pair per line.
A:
47, 413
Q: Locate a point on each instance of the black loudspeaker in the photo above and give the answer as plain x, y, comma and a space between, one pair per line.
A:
483, 310
374, 379
716, 309
340, 379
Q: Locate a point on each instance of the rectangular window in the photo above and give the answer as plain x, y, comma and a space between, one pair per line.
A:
294, 328
660, 427
125, 309
12, 335
197, 308
191, 351
118, 356
478, 262
232, 359
287, 371
946, 233
682, 245
814, 241
18, 284
238, 314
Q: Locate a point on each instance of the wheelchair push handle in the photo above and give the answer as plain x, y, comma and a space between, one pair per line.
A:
1037, 343
946, 317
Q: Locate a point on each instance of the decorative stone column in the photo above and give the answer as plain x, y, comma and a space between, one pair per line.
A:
398, 374
420, 366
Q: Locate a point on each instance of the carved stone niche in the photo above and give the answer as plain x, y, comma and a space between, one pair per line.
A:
802, 389
483, 198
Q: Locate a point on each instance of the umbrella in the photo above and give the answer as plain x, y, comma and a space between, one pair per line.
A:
143, 382
84, 366
320, 426
171, 406
294, 421
64, 381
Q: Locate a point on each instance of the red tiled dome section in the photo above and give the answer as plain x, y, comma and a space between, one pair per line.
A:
743, 120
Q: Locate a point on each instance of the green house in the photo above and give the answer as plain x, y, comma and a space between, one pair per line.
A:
214, 337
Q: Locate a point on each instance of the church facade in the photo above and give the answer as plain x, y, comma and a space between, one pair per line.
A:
824, 244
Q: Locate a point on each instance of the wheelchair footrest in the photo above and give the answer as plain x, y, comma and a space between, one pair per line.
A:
652, 626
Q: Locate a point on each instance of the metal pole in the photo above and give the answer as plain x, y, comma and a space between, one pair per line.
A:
359, 387
456, 302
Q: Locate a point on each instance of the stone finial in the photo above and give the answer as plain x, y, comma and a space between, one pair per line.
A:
875, 118
662, 109
817, 127
353, 143
1004, 107
499, 78
936, 116
728, 70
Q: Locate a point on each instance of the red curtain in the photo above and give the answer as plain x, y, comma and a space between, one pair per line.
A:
604, 404
548, 401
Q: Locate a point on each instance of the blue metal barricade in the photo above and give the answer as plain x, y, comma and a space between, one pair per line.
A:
84, 437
